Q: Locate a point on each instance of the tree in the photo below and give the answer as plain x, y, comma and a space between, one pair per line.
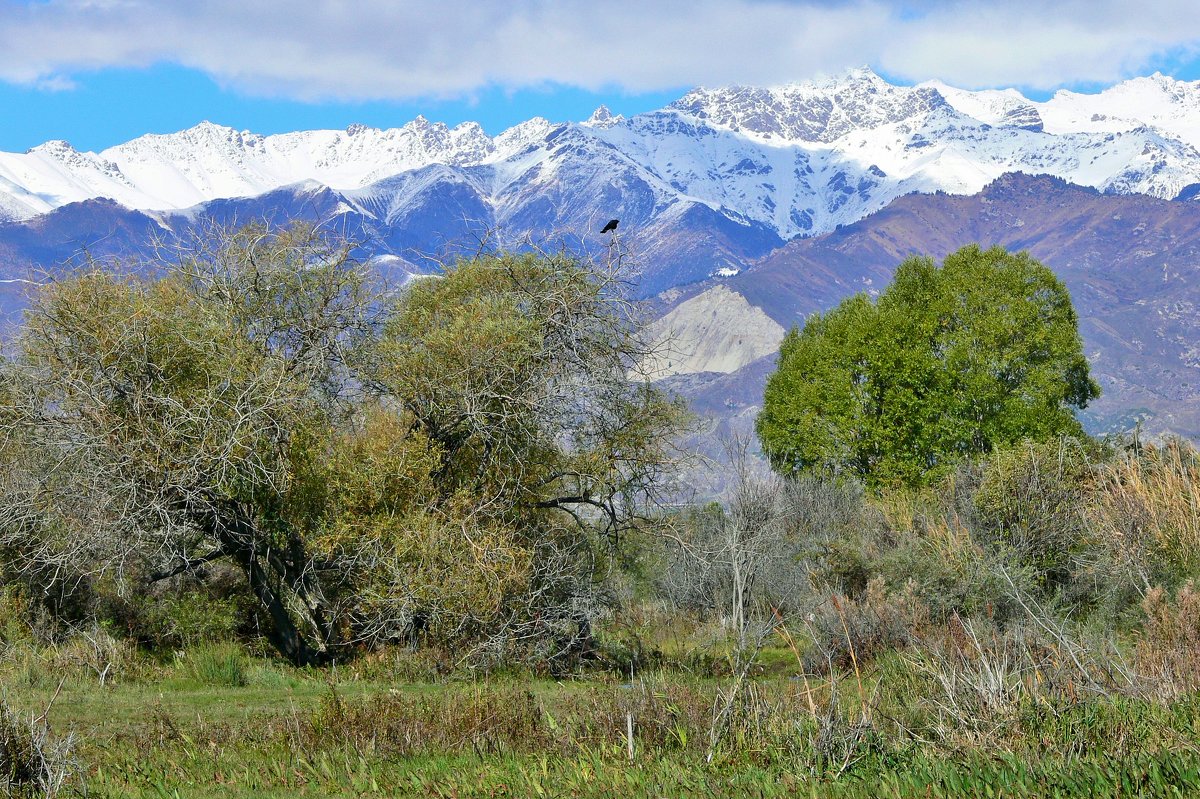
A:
374, 463
171, 410
518, 372
951, 361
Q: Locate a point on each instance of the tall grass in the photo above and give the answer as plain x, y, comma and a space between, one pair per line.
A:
218, 665
1146, 509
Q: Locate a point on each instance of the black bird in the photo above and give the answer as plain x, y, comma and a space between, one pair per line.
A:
612, 225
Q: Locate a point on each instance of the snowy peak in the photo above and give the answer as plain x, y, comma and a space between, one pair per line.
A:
814, 111
1163, 102
1172, 106
436, 143
1005, 108
603, 118
793, 160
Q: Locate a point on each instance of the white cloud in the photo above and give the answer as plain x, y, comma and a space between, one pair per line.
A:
376, 49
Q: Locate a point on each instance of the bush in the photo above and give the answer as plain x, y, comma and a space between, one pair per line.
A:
1030, 501
14, 613
1145, 513
218, 665
1168, 650
31, 763
850, 632
839, 534
928, 538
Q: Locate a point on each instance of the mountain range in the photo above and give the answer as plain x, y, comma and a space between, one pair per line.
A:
714, 179
744, 208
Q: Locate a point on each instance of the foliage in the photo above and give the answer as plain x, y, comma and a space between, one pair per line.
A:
950, 361
1030, 499
437, 461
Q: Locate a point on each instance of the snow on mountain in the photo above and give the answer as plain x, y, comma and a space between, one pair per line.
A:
793, 160
1172, 107
819, 112
602, 117
1004, 108
1161, 102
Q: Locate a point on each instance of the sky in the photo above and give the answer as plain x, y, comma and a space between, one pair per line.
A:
100, 72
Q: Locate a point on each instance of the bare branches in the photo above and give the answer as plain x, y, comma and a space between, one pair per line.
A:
154, 421
375, 464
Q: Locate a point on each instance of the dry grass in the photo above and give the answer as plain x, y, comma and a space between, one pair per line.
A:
1168, 650
1146, 508
494, 719
847, 633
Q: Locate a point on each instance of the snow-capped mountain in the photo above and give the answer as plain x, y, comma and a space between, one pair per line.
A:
794, 160
207, 162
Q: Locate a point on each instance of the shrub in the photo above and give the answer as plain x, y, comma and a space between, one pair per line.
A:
839, 534
1030, 500
14, 610
31, 763
222, 665
850, 632
933, 542
1146, 512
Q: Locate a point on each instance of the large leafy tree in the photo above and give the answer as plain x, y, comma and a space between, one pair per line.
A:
951, 360
375, 463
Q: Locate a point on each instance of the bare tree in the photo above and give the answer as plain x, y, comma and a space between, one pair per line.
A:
374, 463
168, 410
724, 556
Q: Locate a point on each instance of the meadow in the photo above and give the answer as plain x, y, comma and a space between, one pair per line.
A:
221, 722
1000, 667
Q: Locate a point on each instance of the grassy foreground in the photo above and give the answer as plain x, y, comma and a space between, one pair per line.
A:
1031, 628
219, 723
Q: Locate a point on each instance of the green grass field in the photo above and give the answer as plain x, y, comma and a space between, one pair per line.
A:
260, 728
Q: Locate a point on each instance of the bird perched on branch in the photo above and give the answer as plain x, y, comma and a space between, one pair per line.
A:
612, 225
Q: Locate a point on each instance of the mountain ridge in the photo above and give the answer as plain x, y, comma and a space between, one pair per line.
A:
799, 159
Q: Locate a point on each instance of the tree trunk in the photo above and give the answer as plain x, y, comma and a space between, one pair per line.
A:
272, 578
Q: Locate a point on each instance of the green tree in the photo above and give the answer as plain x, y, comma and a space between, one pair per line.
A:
950, 361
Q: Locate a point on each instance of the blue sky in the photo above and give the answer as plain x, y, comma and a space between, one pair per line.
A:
99, 72
112, 106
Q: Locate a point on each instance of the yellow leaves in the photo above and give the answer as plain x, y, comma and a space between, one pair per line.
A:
446, 567
377, 465
417, 446
369, 495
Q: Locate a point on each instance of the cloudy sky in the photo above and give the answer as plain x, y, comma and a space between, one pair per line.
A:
98, 72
